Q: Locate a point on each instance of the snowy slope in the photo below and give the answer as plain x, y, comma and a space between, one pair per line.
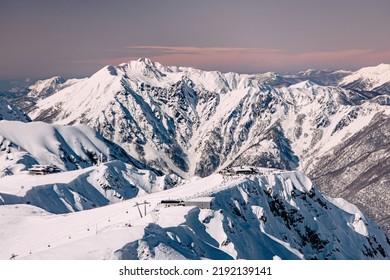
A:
275, 215
26, 96
368, 78
323, 77
11, 112
358, 169
68, 147
83, 189
44, 88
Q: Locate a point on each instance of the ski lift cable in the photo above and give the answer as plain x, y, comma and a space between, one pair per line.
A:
72, 233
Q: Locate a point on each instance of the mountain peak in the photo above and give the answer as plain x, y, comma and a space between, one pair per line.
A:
145, 60
304, 84
149, 64
45, 88
145, 67
379, 69
369, 78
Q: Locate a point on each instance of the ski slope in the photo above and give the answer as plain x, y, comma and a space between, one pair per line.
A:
276, 214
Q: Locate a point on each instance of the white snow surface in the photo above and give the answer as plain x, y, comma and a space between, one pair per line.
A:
278, 215
44, 88
82, 189
68, 147
373, 77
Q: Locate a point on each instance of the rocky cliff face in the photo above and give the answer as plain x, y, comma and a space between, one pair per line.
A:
11, 112
358, 170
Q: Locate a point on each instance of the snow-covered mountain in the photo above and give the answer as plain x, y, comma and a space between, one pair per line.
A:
323, 77
44, 88
194, 122
191, 121
368, 78
68, 147
273, 215
82, 189
11, 112
27, 96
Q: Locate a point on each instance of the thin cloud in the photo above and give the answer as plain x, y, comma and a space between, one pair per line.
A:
244, 59
197, 50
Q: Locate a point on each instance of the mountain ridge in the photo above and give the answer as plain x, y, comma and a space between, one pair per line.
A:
193, 90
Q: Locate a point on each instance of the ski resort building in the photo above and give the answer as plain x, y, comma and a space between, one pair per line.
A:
239, 170
170, 203
43, 169
201, 202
